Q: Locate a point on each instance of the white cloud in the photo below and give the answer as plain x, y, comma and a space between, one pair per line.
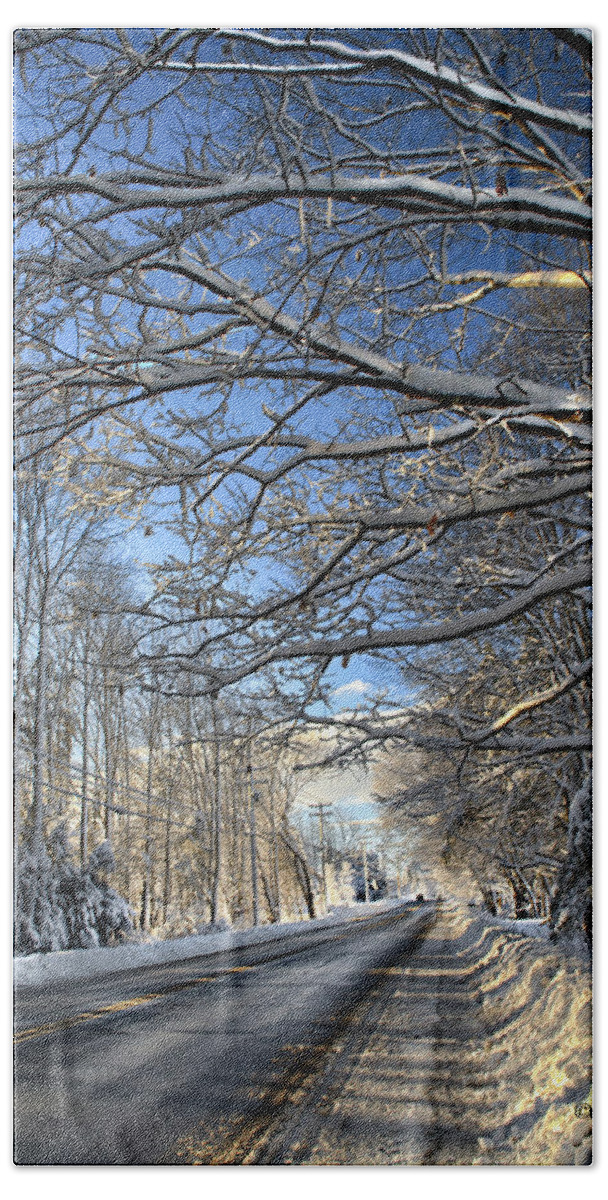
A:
350, 786
357, 685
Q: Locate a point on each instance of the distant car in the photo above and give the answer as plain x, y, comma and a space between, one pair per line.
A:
419, 898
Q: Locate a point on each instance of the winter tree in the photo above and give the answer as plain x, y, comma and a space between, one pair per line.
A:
314, 305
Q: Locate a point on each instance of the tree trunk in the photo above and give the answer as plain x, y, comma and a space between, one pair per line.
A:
84, 797
488, 899
521, 900
36, 838
110, 763
167, 879
144, 919
571, 904
302, 875
217, 823
275, 857
268, 894
253, 848
127, 796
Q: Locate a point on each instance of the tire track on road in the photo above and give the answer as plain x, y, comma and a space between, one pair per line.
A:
213, 976
280, 1119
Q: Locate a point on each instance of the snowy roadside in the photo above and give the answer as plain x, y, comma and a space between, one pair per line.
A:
64, 965
534, 1002
478, 1053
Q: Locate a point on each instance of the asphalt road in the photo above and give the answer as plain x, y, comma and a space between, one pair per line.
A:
131, 1067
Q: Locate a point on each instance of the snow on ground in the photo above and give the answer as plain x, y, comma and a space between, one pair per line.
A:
61, 965
535, 1004
531, 926
478, 1053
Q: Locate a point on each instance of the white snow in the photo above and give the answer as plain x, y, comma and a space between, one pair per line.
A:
530, 926
61, 965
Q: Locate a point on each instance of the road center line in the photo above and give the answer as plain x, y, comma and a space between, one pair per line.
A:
38, 1031
26, 1035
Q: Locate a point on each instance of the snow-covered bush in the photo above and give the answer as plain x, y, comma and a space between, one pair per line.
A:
63, 907
571, 904
113, 915
39, 919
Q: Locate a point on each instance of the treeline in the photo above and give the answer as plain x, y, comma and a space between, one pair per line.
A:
313, 314
181, 803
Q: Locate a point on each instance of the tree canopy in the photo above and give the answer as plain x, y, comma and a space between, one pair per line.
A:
312, 306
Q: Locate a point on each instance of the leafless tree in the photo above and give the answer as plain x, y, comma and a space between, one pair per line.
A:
284, 297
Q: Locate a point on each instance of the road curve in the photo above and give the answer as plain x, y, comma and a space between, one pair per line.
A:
128, 1068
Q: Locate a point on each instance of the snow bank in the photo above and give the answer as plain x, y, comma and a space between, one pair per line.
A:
531, 926
535, 1003
63, 965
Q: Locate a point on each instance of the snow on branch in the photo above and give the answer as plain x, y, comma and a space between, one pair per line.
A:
523, 209
420, 634
445, 78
